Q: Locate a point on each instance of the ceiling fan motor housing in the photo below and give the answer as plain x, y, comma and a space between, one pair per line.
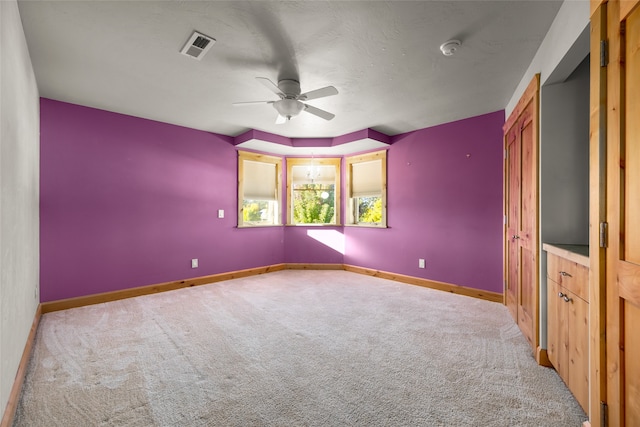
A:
291, 88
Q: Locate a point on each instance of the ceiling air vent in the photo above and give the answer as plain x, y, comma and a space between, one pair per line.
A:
197, 45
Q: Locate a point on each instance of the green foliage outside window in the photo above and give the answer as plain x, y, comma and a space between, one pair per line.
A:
314, 204
369, 209
258, 212
251, 210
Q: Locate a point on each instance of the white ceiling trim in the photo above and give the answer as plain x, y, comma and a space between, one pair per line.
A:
356, 142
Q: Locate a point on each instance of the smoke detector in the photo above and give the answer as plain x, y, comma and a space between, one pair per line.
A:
197, 45
450, 47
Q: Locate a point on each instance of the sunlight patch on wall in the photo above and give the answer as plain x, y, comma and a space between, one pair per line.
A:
332, 238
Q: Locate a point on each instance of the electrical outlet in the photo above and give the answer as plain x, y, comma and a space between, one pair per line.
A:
421, 263
194, 263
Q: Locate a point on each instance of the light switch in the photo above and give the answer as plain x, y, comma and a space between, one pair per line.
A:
220, 213
194, 263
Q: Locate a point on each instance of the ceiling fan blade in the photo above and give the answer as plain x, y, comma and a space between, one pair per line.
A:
318, 93
252, 103
281, 119
318, 112
271, 86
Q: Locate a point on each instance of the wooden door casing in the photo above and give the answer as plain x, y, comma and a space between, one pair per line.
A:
623, 214
597, 215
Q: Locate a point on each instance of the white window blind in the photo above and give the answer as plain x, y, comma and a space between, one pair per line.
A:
314, 174
366, 179
259, 180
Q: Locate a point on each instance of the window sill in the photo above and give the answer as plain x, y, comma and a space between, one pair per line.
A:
314, 225
366, 226
258, 226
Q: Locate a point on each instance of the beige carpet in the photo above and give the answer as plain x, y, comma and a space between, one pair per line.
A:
291, 348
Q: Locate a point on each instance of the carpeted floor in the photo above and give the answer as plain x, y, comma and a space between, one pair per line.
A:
290, 348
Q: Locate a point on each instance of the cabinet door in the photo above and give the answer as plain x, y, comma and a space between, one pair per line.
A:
557, 335
578, 348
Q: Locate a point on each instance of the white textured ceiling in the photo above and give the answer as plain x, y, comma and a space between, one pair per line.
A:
382, 56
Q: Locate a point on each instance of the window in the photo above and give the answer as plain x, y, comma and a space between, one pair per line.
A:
313, 191
367, 189
259, 191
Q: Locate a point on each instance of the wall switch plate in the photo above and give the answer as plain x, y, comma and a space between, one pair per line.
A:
421, 263
220, 213
194, 263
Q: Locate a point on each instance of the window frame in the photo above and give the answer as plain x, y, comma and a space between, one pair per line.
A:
314, 161
259, 158
351, 202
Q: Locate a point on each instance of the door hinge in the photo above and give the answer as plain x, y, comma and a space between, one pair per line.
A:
505, 154
505, 220
604, 53
604, 234
604, 414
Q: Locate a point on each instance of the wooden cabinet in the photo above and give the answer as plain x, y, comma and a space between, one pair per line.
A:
568, 319
521, 214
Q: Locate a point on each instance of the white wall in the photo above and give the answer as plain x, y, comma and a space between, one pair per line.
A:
19, 201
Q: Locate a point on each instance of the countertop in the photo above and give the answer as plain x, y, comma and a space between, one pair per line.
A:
575, 253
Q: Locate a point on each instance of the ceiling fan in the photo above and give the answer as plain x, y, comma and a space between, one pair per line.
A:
290, 103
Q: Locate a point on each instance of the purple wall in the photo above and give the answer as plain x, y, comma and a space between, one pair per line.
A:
444, 205
129, 202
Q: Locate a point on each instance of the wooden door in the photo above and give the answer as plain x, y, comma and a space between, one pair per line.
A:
521, 214
513, 192
528, 235
623, 214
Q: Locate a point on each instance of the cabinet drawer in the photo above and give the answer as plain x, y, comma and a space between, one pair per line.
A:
569, 274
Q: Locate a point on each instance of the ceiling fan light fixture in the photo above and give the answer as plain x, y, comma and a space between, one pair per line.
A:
290, 103
288, 108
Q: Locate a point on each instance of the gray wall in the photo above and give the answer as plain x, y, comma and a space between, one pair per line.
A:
19, 202
564, 159
564, 168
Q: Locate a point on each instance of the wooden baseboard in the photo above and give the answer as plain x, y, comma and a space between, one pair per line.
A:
65, 304
441, 286
542, 357
16, 389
